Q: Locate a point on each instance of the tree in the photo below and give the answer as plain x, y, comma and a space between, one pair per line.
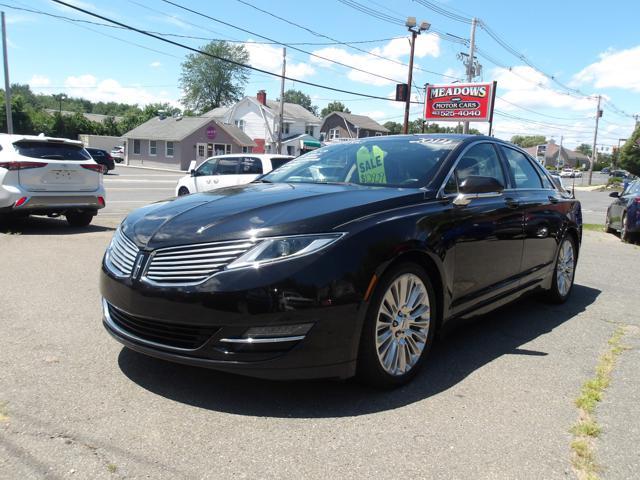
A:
334, 107
300, 98
630, 153
210, 83
525, 141
393, 127
585, 149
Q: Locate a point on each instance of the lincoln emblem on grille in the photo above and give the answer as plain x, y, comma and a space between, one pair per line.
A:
138, 266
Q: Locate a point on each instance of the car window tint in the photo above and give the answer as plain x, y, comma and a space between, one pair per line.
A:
523, 171
278, 162
632, 189
208, 168
53, 151
479, 160
228, 166
251, 166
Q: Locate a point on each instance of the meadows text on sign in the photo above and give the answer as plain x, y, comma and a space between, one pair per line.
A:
459, 102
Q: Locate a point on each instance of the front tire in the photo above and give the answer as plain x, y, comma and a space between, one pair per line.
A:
79, 219
399, 327
564, 272
625, 236
183, 191
607, 225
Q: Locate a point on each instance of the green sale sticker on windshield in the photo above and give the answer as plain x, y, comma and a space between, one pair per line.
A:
371, 165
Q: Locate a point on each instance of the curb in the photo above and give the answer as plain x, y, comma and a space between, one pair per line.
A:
157, 169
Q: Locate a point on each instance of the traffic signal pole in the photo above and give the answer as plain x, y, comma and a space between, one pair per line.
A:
407, 105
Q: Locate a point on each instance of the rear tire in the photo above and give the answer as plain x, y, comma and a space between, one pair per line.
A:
399, 327
79, 219
625, 236
564, 272
183, 191
607, 225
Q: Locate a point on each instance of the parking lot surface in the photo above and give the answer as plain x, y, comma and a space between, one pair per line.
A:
495, 399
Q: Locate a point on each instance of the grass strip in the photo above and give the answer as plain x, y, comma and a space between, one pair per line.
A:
586, 429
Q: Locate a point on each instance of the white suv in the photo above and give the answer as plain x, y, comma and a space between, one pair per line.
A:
228, 170
49, 176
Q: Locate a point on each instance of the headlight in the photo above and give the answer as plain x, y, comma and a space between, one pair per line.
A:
284, 248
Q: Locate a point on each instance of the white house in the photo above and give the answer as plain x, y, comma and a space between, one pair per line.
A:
259, 119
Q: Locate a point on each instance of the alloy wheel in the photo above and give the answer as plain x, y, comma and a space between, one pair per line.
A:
565, 268
402, 324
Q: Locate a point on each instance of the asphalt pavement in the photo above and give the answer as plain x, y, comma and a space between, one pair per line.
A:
495, 399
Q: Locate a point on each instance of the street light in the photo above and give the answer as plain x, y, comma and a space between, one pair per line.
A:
415, 30
60, 97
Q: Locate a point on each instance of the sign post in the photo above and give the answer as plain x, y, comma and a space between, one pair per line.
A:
466, 102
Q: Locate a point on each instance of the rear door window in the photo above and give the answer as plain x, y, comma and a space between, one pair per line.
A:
523, 172
251, 166
228, 166
51, 151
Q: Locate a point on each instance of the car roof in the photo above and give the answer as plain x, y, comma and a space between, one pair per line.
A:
12, 138
257, 155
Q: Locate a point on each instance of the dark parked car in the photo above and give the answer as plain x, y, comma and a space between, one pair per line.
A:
102, 157
619, 174
344, 261
623, 215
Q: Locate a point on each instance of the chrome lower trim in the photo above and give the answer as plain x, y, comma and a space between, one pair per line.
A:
263, 340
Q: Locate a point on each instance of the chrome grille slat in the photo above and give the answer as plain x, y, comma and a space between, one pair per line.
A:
122, 253
192, 264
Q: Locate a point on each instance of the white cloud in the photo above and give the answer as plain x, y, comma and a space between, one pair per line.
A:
173, 20
110, 90
375, 114
155, 64
396, 50
39, 81
619, 69
269, 58
526, 87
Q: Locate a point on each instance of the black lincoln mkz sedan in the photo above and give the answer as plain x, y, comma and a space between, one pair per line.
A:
343, 262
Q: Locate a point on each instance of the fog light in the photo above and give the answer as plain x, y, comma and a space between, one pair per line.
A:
278, 331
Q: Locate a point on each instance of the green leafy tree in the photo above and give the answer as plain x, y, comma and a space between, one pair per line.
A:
393, 127
630, 153
209, 83
300, 98
334, 107
528, 140
585, 149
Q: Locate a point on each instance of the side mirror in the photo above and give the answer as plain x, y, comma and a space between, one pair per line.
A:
192, 172
614, 195
475, 184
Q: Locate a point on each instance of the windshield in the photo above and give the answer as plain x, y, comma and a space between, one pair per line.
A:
398, 162
53, 151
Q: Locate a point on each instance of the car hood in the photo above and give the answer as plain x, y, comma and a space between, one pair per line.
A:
261, 210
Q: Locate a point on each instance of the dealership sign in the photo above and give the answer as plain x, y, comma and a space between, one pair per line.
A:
472, 102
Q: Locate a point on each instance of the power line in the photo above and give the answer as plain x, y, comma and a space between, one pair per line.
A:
338, 42
216, 57
222, 22
443, 11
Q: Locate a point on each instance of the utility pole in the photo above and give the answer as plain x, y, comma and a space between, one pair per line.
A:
281, 120
594, 153
407, 104
7, 85
471, 68
560, 162
415, 31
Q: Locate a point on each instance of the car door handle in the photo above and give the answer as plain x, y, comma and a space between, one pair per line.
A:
553, 199
512, 202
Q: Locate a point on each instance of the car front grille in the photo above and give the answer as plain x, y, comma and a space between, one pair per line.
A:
122, 253
193, 263
175, 335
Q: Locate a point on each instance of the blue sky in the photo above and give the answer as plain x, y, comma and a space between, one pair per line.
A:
581, 44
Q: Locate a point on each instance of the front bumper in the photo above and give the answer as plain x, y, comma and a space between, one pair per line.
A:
205, 326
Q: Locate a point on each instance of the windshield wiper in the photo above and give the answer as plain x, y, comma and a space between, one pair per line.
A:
261, 180
53, 157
